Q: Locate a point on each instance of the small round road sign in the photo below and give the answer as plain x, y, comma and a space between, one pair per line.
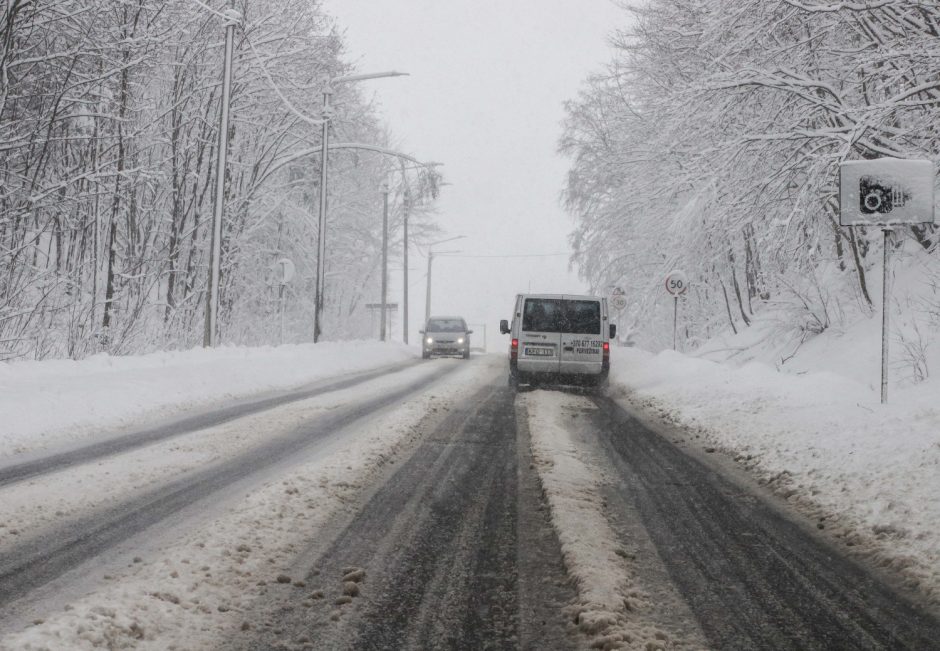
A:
619, 301
677, 283
284, 270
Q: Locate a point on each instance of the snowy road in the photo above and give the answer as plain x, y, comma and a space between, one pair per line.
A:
419, 506
109, 513
753, 577
433, 559
21, 469
33, 562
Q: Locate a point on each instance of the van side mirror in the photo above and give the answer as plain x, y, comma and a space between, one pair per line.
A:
469, 332
504, 327
613, 330
420, 332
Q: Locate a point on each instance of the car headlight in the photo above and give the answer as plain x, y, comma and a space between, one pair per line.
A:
459, 340
429, 341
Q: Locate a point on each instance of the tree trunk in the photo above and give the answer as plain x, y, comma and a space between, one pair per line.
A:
737, 287
858, 265
728, 305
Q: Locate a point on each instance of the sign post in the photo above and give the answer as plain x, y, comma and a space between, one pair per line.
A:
885, 313
386, 310
886, 192
677, 284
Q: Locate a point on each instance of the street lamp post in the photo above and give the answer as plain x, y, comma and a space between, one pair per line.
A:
427, 297
384, 260
321, 220
406, 206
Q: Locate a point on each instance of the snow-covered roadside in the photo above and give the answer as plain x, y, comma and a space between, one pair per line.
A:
869, 473
58, 401
74, 492
612, 603
200, 590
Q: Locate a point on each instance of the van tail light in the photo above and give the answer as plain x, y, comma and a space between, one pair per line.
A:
606, 350
514, 350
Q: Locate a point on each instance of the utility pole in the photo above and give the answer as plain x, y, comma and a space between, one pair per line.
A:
328, 84
384, 260
427, 298
405, 209
210, 335
321, 218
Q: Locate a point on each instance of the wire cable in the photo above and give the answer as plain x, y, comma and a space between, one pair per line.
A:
508, 255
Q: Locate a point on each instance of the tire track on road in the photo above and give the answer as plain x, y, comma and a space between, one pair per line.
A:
441, 546
752, 577
19, 471
37, 561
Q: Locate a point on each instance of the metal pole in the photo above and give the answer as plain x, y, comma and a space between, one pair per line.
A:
620, 328
384, 261
885, 305
675, 319
407, 207
280, 300
321, 219
210, 333
427, 297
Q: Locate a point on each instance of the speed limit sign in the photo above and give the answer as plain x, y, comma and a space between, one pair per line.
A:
677, 283
619, 301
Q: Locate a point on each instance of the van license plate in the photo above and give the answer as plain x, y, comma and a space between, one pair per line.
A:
539, 352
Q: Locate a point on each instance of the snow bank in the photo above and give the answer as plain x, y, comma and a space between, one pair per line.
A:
56, 401
869, 472
610, 607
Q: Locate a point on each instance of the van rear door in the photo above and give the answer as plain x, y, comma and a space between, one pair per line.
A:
540, 335
582, 342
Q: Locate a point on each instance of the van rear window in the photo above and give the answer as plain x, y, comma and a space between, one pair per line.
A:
583, 317
542, 315
557, 315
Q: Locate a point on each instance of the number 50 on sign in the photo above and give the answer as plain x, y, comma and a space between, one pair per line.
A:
677, 283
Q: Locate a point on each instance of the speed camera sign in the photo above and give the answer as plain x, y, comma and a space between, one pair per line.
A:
677, 283
885, 192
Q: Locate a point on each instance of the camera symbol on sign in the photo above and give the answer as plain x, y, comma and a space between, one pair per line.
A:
877, 197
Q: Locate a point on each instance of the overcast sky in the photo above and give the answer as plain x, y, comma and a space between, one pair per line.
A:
487, 82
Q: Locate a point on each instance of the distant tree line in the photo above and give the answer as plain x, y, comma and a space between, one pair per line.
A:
712, 143
108, 133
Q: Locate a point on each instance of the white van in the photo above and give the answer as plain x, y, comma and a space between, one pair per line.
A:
559, 338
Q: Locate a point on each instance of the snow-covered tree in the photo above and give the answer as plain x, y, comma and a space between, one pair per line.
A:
712, 143
109, 132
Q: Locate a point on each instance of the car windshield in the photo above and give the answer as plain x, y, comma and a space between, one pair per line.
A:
558, 315
446, 325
